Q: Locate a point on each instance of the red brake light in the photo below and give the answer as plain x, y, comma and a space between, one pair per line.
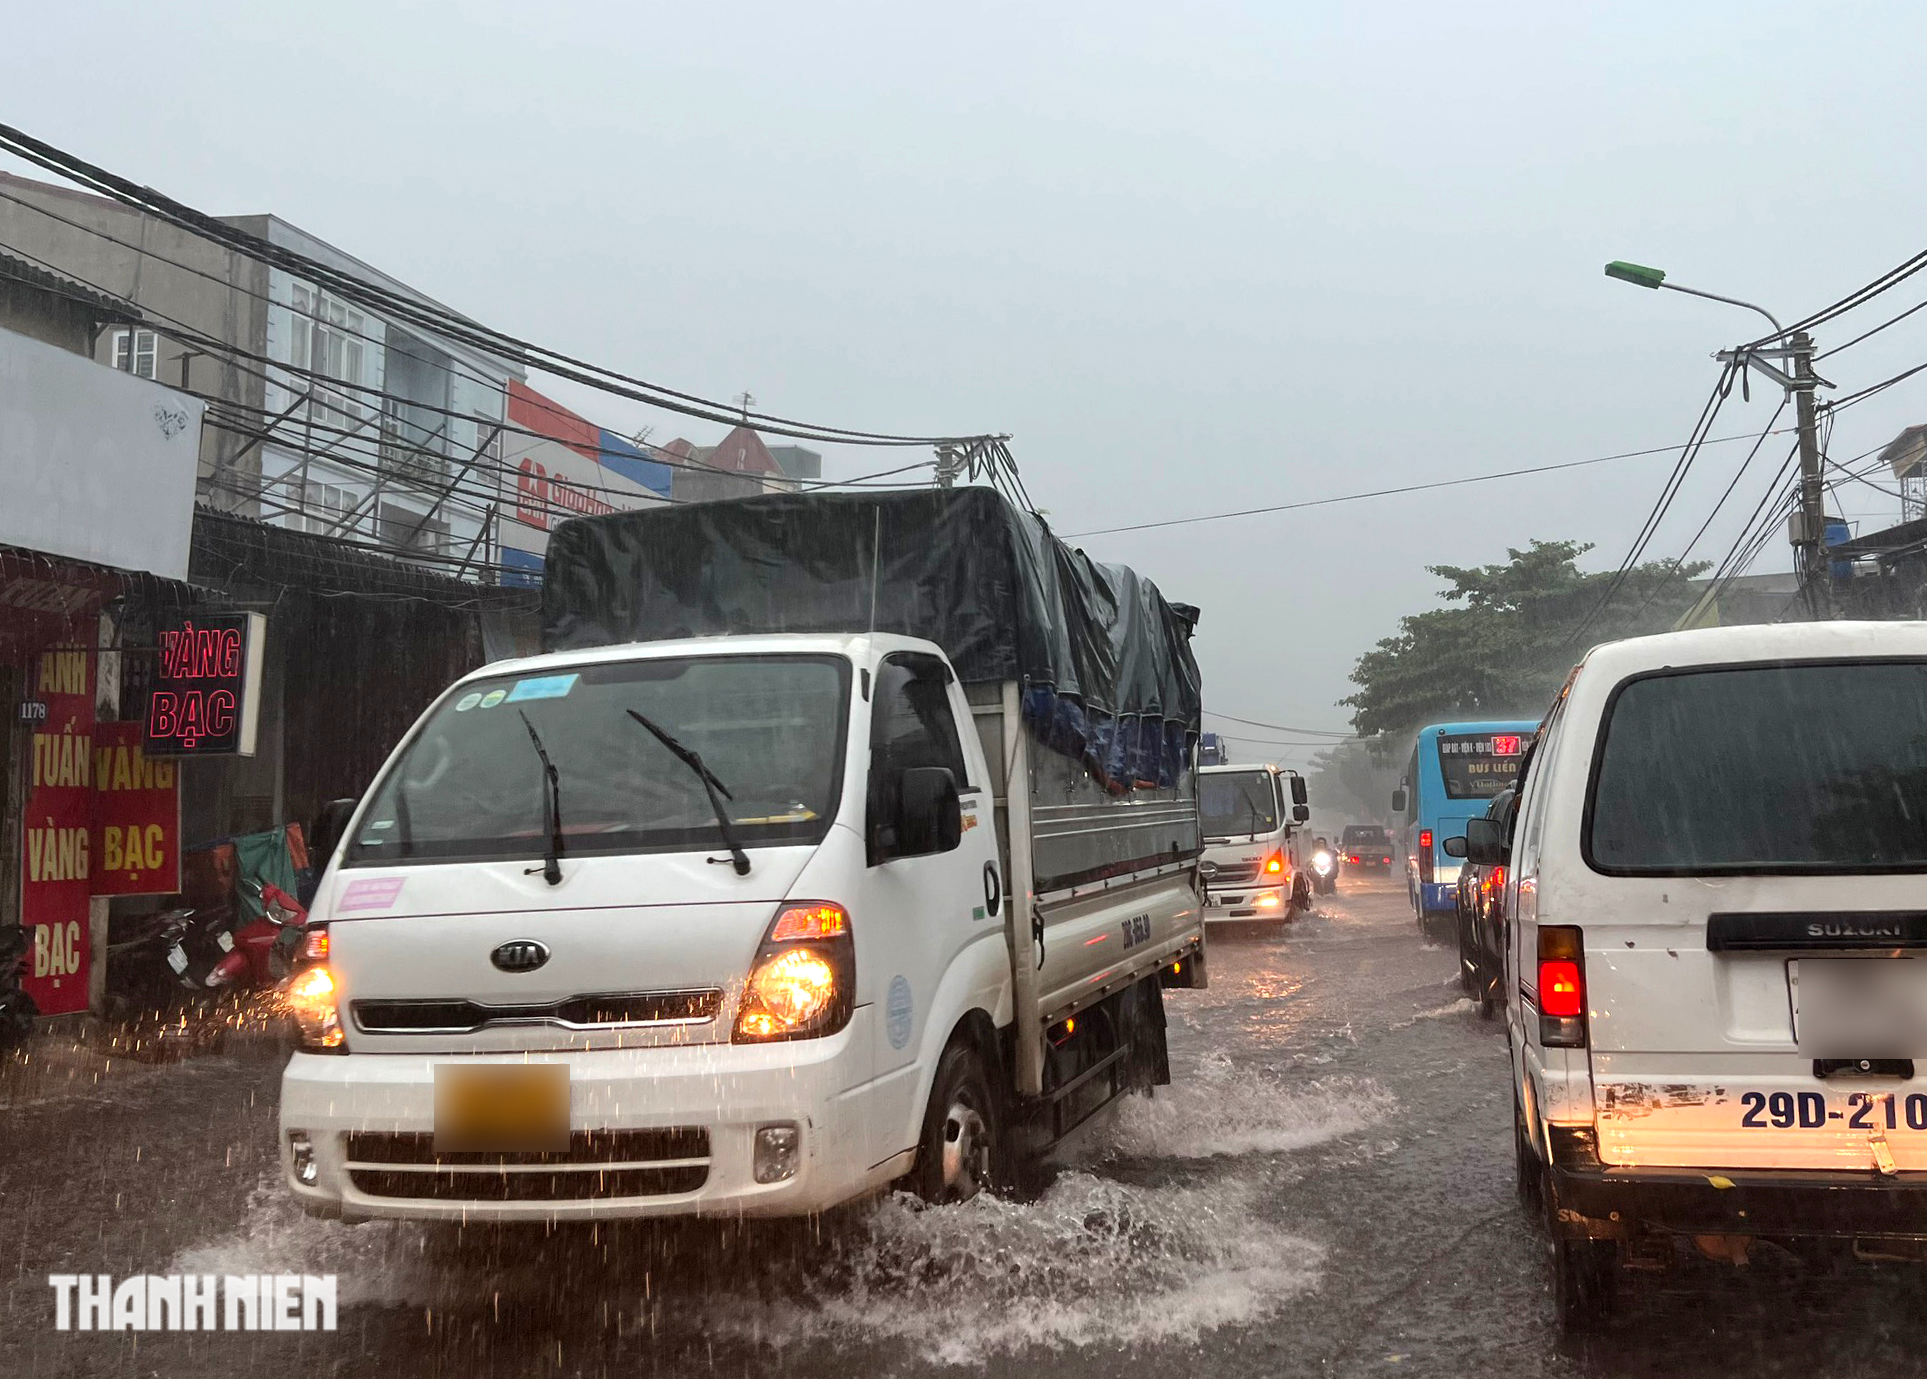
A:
1562, 989
1425, 839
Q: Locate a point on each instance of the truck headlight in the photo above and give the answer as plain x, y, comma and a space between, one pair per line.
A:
311, 1001
803, 982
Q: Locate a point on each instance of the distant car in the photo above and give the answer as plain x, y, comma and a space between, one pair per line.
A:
1366, 847
1482, 920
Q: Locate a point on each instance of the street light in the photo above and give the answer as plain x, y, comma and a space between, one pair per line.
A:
1806, 527
1641, 276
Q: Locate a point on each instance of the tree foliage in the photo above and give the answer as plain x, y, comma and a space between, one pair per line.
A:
1508, 637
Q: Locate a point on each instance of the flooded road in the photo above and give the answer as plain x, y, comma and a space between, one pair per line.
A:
1325, 1189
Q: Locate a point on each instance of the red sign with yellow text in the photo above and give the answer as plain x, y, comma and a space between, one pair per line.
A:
55, 880
137, 816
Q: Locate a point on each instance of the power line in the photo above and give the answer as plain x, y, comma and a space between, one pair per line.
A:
1392, 492
1732, 483
1721, 387
1278, 727
432, 316
1891, 320
1893, 277
227, 353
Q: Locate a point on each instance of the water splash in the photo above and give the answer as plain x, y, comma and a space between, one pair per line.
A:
1093, 1262
1221, 1108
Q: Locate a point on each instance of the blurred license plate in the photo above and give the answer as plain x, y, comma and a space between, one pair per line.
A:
1859, 1007
501, 1107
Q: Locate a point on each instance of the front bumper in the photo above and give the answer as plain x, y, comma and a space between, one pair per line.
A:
724, 1091
1591, 1199
1247, 902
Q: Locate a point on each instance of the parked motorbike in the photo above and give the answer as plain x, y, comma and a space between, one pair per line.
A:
17, 1008
265, 952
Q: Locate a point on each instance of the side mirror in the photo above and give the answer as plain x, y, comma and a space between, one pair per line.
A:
1398, 800
1485, 843
1453, 847
329, 825
929, 814
1299, 794
1300, 813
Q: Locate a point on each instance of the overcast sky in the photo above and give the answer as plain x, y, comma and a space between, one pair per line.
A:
1193, 258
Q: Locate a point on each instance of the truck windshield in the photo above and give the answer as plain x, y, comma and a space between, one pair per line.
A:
467, 786
1785, 768
1237, 802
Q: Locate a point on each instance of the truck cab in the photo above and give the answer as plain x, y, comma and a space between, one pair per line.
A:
1252, 817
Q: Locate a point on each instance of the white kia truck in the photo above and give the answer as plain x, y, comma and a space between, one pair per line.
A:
1717, 956
840, 841
1250, 816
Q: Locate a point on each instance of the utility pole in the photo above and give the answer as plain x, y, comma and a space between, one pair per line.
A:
1808, 528
949, 465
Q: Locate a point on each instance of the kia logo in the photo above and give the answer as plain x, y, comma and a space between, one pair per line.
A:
520, 955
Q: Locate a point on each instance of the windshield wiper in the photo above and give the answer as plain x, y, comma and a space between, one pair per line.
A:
551, 808
718, 792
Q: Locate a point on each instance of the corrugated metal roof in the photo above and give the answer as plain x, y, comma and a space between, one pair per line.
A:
109, 308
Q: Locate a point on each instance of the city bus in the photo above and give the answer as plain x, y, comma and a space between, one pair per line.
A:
1455, 770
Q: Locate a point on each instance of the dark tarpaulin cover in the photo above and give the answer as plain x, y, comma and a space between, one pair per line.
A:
1105, 662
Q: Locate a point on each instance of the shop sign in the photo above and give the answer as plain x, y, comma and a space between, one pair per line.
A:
206, 694
137, 816
55, 873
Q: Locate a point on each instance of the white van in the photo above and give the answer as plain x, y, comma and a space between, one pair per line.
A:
1717, 965
757, 922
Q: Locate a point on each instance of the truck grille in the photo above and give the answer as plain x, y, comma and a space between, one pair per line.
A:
618, 1011
1230, 873
597, 1163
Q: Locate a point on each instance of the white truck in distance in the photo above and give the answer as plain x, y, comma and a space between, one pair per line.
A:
1251, 816
750, 924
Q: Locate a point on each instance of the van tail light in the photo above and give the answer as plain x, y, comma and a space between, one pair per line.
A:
1562, 987
1424, 856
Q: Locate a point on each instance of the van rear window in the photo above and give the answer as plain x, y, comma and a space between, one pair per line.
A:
1816, 767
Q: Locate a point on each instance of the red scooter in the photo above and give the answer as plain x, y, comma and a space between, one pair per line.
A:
266, 952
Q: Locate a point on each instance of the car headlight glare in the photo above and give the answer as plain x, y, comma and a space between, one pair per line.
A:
800, 989
311, 1000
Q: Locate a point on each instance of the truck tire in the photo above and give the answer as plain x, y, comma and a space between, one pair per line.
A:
958, 1148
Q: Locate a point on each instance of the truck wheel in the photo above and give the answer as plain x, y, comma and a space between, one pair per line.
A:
956, 1150
1585, 1283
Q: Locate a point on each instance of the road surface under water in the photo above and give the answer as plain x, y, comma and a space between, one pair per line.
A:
1326, 1188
